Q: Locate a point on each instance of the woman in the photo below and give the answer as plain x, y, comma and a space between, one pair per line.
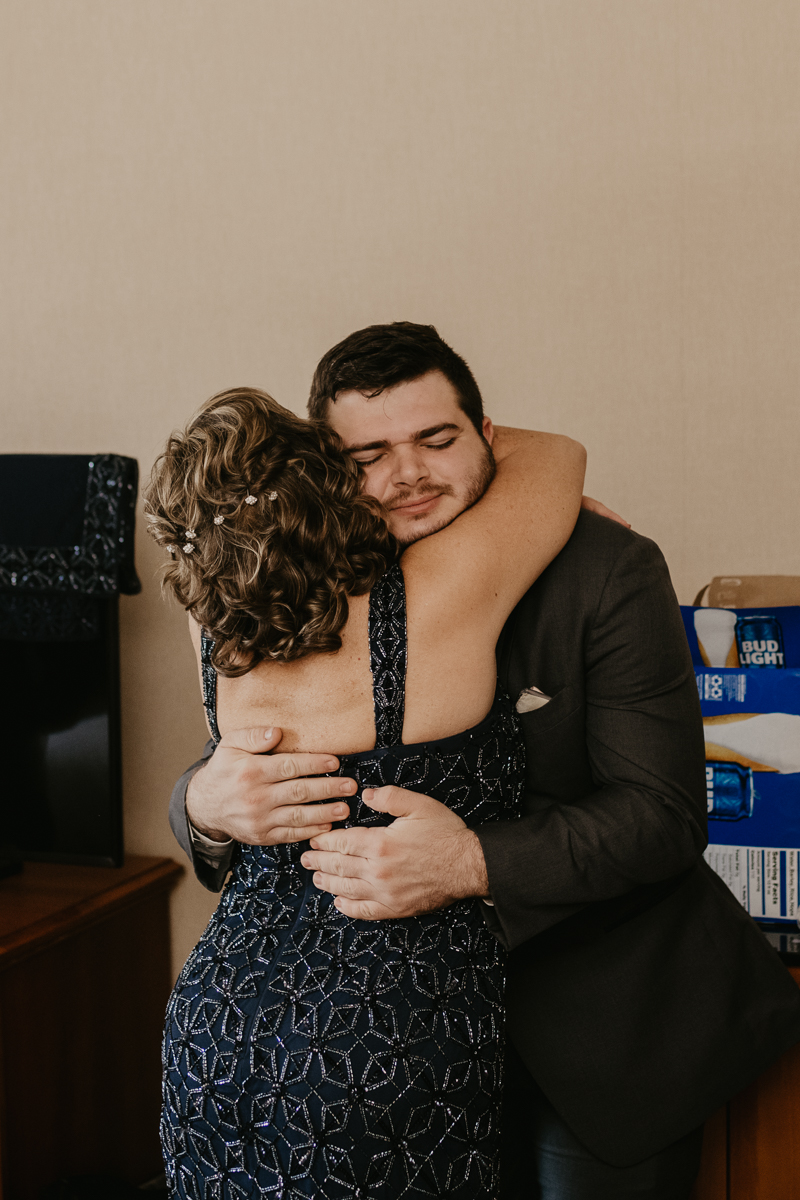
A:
307, 1054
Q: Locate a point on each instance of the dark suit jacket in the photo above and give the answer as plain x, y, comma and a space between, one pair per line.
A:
640, 994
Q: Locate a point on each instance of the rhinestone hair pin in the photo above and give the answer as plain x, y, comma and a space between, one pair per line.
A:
191, 534
251, 499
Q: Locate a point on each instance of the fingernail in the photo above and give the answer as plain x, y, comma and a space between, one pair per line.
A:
268, 733
331, 764
340, 810
346, 786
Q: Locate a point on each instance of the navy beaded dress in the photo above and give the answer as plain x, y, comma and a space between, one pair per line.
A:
310, 1055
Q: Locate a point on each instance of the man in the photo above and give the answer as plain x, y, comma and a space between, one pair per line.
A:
640, 995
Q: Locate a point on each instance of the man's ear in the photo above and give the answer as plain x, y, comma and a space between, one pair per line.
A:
488, 430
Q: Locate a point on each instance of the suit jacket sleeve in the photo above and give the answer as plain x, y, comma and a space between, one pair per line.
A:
211, 877
644, 821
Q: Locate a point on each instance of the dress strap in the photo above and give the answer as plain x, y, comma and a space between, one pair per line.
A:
388, 655
209, 673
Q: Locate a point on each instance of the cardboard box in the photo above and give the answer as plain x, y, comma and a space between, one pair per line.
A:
751, 718
743, 591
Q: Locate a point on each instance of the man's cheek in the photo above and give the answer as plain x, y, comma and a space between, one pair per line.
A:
373, 485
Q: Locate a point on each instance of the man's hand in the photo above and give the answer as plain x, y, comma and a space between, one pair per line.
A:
596, 507
246, 793
424, 860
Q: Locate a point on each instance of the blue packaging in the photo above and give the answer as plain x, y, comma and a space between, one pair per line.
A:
751, 719
759, 641
729, 791
754, 634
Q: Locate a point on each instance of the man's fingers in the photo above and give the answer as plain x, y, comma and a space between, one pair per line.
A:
303, 816
256, 788
258, 739
292, 766
353, 889
363, 843
363, 910
602, 510
397, 801
309, 791
281, 836
303, 822
340, 866
261, 739
288, 767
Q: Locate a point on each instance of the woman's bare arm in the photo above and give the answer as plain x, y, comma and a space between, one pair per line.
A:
479, 567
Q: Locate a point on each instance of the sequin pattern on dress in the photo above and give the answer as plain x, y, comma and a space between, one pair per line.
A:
209, 678
308, 1055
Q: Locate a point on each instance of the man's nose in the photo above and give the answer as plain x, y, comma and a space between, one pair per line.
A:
408, 466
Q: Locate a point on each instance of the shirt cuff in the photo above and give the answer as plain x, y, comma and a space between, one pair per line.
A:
206, 848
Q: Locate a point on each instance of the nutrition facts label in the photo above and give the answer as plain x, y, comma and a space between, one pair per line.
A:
763, 880
729, 688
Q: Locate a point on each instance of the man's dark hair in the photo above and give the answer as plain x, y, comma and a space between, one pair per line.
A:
382, 356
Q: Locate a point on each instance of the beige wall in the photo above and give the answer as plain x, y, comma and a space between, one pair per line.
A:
595, 200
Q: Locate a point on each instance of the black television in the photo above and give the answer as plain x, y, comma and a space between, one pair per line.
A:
66, 553
60, 714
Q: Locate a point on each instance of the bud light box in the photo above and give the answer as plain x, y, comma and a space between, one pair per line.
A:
747, 666
744, 637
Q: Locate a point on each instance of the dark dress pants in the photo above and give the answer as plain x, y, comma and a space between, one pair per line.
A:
543, 1160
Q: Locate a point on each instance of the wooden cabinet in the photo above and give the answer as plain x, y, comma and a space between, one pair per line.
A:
751, 1149
84, 981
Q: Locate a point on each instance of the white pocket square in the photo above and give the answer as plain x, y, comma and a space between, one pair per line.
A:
531, 698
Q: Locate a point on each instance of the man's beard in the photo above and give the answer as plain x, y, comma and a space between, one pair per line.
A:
474, 488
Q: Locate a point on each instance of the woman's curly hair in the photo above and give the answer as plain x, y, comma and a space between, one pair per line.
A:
271, 580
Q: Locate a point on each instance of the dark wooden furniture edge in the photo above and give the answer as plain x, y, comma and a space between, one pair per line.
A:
155, 875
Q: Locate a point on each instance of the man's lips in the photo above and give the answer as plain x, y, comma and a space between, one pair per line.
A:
416, 506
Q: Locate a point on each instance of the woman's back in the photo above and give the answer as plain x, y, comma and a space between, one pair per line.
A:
319, 701
323, 702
